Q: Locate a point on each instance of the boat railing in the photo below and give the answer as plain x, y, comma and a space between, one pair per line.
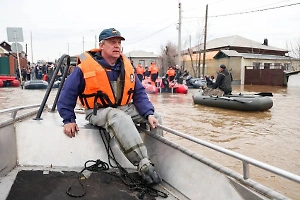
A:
14, 113
245, 160
50, 86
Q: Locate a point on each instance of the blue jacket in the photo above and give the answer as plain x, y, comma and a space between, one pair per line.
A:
75, 84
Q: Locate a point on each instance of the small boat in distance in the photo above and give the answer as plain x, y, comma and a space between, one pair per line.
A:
35, 84
195, 82
163, 86
9, 81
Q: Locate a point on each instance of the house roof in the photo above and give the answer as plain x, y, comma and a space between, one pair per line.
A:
140, 54
263, 56
235, 41
208, 56
4, 45
230, 53
233, 53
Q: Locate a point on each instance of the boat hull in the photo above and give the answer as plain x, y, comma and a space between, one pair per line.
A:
241, 102
195, 82
174, 88
9, 81
35, 84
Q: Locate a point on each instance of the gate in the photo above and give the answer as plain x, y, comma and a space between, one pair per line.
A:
4, 66
262, 76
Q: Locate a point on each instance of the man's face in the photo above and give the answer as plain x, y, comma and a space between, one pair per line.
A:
111, 47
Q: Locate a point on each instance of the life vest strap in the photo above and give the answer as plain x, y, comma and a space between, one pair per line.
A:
104, 100
130, 93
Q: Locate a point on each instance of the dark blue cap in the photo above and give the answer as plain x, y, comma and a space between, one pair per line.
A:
110, 33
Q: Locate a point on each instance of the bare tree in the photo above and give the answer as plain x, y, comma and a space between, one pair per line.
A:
190, 51
294, 52
167, 56
295, 49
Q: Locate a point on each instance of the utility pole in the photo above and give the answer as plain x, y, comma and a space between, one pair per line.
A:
205, 32
31, 47
95, 38
82, 44
179, 36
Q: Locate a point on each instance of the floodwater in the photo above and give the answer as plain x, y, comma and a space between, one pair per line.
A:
272, 136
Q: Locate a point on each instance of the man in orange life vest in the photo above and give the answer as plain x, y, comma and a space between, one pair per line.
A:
140, 71
171, 74
153, 69
107, 76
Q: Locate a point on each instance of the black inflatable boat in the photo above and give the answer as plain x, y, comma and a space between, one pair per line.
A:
35, 84
242, 102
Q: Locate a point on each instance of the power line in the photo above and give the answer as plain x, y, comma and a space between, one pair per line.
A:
272, 4
259, 10
246, 12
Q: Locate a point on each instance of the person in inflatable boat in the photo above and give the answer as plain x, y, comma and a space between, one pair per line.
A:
222, 86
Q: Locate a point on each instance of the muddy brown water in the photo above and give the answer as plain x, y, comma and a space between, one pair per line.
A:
271, 136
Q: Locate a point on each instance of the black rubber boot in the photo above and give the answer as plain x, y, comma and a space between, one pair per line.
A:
148, 173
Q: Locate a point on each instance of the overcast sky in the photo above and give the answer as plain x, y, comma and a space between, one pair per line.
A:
69, 26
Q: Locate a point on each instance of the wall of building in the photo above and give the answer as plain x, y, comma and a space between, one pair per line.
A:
13, 64
234, 66
145, 61
295, 64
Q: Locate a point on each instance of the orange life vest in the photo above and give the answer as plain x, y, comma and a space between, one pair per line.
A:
153, 69
98, 92
139, 69
171, 72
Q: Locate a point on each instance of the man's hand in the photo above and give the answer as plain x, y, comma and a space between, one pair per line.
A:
152, 121
70, 129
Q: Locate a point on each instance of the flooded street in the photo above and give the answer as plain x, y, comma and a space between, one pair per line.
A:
272, 136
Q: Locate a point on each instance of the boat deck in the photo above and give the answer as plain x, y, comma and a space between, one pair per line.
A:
49, 163
37, 183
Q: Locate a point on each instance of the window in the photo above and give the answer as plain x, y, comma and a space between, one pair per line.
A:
277, 65
256, 65
267, 65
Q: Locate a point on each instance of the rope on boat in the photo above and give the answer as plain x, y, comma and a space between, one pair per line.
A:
96, 167
133, 184
123, 174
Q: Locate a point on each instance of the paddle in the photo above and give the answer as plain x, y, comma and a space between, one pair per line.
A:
231, 99
228, 99
265, 94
